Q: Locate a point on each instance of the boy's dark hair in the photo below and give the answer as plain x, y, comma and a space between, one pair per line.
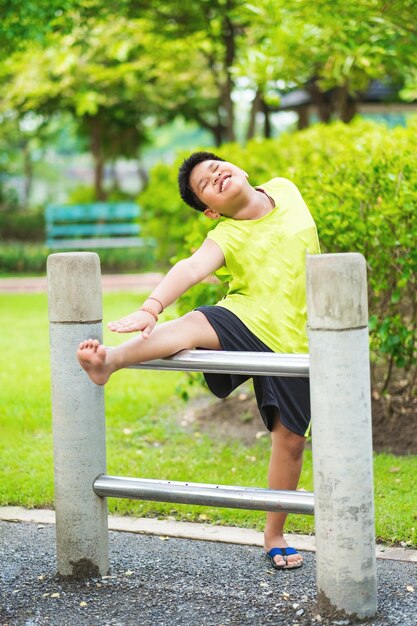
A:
184, 172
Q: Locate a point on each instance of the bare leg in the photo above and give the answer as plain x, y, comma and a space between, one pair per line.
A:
284, 473
190, 331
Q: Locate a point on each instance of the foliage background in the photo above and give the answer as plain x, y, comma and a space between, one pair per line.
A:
118, 71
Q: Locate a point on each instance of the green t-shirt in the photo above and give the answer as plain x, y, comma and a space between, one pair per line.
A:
266, 268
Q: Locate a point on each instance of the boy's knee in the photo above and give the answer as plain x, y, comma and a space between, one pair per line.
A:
191, 323
191, 318
185, 327
294, 444
197, 331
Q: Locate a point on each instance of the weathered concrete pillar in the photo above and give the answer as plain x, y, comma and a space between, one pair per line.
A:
342, 435
75, 314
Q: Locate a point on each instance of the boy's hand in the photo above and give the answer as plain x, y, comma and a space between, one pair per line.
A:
135, 322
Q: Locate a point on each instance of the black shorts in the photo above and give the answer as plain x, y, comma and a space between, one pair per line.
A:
289, 397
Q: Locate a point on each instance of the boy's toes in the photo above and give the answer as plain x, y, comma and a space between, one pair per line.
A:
101, 351
285, 558
294, 560
89, 344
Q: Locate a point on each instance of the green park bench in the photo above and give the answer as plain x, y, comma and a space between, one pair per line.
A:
96, 225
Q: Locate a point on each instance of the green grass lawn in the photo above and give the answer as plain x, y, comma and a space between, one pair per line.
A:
145, 437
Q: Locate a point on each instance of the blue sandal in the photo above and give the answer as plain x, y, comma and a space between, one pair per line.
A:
284, 552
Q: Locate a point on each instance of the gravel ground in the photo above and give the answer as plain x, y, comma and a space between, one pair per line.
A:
170, 582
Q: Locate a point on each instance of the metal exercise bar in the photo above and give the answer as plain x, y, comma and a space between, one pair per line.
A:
207, 495
216, 361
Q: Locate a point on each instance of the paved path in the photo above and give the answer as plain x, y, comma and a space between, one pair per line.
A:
160, 581
193, 530
110, 282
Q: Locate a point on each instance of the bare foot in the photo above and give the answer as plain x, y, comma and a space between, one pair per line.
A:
291, 561
93, 357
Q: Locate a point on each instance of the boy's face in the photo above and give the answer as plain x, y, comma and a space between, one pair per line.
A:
219, 185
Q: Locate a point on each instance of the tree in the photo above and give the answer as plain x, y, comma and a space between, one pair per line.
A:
109, 75
214, 32
336, 47
31, 21
119, 74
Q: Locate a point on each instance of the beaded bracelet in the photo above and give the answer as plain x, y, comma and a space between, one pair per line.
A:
158, 301
148, 310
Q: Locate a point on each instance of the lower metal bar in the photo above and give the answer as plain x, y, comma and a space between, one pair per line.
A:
207, 495
224, 362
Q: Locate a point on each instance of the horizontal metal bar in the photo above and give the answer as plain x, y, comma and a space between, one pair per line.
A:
223, 362
207, 495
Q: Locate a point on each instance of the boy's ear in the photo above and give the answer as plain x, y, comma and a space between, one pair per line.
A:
212, 215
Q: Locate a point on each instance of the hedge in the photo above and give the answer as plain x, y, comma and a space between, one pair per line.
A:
30, 258
21, 225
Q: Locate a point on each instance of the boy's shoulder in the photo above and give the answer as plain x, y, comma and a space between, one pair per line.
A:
279, 182
223, 226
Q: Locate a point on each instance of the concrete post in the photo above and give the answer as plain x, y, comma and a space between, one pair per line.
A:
75, 314
342, 435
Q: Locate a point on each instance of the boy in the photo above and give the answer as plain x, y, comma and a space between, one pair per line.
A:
261, 245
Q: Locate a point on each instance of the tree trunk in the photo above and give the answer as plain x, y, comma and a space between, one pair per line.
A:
219, 134
255, 108
345, 105
322, 101
98, 158
226, 96
115, 183
98, 179
267, 121
324, 109
337, 101
303, 117
28, 175
142, 175
217, 130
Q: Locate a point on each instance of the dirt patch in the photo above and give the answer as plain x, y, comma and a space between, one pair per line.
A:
394, 423
235, 417
394, 420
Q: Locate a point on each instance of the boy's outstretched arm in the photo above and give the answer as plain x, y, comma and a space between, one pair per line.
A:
183, 275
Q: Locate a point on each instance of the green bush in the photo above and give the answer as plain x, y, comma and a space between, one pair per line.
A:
8, 196
16, 256
360, 183
127, 259
22, 225
163, 213
31, 258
